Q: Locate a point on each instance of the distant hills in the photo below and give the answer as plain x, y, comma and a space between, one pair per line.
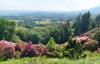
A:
94, 11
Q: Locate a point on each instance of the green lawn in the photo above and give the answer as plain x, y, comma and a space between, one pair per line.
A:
41, 60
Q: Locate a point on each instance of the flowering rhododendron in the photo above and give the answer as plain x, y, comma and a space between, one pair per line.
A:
34, 50
3, 42
82, 39
30, 45
20, 46
7, 49
41, 49
29, 51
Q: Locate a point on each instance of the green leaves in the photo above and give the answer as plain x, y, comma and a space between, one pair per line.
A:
51, 44
7, 29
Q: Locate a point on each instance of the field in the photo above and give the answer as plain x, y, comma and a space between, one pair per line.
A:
42, 22
91, 59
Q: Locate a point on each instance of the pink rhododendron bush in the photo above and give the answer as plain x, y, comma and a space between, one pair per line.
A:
88, 43
7, 49
70, 49
31, 50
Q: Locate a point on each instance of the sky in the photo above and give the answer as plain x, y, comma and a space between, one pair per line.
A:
48, 5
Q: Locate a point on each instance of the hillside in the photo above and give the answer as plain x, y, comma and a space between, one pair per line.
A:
95, 10
92, 32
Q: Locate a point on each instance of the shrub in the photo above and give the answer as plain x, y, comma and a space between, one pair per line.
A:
17, 55
74, 50
20, 46
44, 51
29, 51
59, 51
7, 50
97, 37
91, 45
41, 49
62, 48
51, 44
55, 54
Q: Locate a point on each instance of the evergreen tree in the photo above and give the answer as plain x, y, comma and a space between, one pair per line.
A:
77, 25
82, 23
85, 22
97, 20
61, 35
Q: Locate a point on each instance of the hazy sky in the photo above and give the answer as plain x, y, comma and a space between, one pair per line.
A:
48, 5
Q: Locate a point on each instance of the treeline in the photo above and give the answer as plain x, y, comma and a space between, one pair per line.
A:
12, 31
61, 32
85, 22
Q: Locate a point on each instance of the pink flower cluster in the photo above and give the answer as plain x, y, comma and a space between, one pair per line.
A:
7, 49
30, 49
82, 39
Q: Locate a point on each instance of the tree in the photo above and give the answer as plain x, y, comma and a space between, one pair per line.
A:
26, 35
85, 22
7, 29
82, 23
97, 20
61, 35
77, 25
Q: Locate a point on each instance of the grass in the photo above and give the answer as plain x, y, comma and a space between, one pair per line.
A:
95, 59
92, 58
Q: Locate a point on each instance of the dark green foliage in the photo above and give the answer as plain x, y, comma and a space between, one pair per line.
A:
28, 36
77, 25
82, 23
85, 22
7, 30
97, 37
74, 50
61, 34
97, 20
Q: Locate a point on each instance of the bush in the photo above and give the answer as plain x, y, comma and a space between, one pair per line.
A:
74, 50
7, 50
29, 51
45, 51
17, 55
91, 45
20, 46
51, 44
41, 49
59, 51
55, 54
97, 37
